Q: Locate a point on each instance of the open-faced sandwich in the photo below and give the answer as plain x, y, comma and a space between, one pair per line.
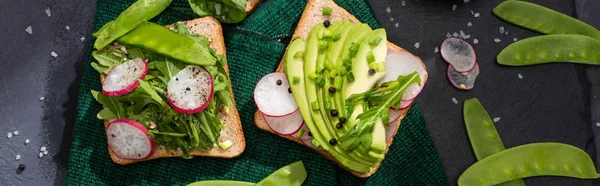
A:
341, 89
165, 90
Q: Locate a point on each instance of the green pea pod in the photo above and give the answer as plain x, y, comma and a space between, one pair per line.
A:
290, 175
483, 135
542, 19
220, 183
551, 48
136, 14
158, 39
535, 159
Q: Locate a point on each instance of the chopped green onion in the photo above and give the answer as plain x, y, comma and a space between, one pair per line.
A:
327, 10
343, 71
337, 82
314, 105
323, 44
226, 144
347, 59
320, 81
327, 105
295, 80
350, 76
333, 73
299, 54
320, 34
380, 67
320, 67
327, 33
375, 41
370, 57
328, 64
373, 66
300, 133
315, 143
336, 36
312, 75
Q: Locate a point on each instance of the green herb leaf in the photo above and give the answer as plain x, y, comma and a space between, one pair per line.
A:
113, 103
226, 11
106, 114
168, 68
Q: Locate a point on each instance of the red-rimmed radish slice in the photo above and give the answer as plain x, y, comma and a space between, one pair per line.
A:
463, 80
394, 114
305, 134
402, 63
190, 90
129, 139
391, 128
285, 125
123, 78
458, 53
404, 104
272, 96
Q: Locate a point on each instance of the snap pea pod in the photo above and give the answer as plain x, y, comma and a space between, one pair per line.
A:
483, 135
158, 39
535, 159
542, 19
290, 175
551, 48
136, 14
221, 183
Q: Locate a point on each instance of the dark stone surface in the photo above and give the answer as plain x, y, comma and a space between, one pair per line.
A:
550, 103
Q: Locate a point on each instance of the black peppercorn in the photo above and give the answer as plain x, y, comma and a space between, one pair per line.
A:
326, 23
372, 72
332, 142
289, 90
342, 120
21, 167
339, 125
309, 134
333, 112
331, 90
279, 82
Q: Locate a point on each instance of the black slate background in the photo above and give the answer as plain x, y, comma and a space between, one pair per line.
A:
550, 103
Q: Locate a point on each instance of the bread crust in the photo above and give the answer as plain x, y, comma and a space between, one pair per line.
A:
211, 28
312, 16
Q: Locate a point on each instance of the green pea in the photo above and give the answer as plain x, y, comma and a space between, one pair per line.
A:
290, 175
551, 48
221, 183
542, 19
161, 40
136, 14
534, 159
483, 135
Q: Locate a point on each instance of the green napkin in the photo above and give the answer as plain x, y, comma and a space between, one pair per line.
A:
254, 49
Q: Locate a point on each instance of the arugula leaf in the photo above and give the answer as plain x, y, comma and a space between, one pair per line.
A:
381, 99
182, 29
226, 11
107, 58
134, 52
100, 68
106, 114
113, 104
168, 68
151, 93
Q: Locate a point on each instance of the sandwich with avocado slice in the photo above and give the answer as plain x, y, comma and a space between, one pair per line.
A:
165, 90
341, 89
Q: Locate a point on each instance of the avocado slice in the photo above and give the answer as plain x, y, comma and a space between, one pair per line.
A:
294, 67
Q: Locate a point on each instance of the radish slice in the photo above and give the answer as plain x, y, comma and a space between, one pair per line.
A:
458, 53
402, 63
190, 90
391, 128
404, 104
285, 125
394, 114
272, 96
463, 80
129, 139
123, 78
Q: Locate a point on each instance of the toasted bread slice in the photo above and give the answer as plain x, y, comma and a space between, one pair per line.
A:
211, 28
312, 16
251, 5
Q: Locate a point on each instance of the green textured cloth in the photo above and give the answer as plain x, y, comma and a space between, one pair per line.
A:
254, 49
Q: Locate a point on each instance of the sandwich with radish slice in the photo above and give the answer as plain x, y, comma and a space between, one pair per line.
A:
166, 92
341, 89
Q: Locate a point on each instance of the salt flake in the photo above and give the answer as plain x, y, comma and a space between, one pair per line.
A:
29, 30
388, 10
501, 30
448, 34
18, 157
403, 3
42, 98
466, 1
455, 34
41, 154
496, 119
82, 38
68, 27
45, 152
515, 39
48, 13
598, 124
391, 19
396, 25
417, 45
43, 148
497, 40
53, 54
9, 135
16, 132
454, 7
469, 23
476, 14
520, 76
454, 100
26, 141
475, 41
436, 50
468, 36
